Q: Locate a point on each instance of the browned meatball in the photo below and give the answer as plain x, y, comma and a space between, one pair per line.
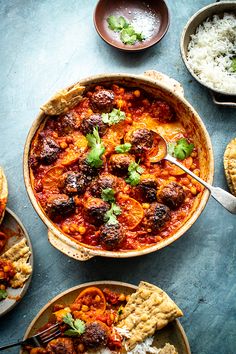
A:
102, 101
61, 346
47, 150
68, 122
156, 216
119, 163
95, 210
105, 180
146, 191
93, 121
59, 204
141, 140
95, 335
73, 183
87, 169
112, 236
172, 195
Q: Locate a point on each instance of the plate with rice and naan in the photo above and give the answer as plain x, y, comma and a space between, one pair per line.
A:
108, 317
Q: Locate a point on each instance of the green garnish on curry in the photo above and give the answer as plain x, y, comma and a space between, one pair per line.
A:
114, 117
180, 149
97, 149
77, 327
108, 195
134, 173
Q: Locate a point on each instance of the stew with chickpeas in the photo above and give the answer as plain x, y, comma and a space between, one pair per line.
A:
94, 174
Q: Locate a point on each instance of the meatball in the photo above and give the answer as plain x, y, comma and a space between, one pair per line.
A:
141, 140
95, 210
119, 163
73, 183
172, 195
102, 101
95, 335
112, 236
68, 122
156, 216
59, 204
61, 346
147, 189
105, 180
85, 168
162, 111
47, 150
95, 120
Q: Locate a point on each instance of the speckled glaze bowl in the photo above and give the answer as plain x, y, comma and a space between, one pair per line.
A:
169, 90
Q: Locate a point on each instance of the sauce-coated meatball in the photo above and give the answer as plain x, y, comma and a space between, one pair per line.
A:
141, 140
73, 183
105, 180
102, 101
61, 346
59, 204
95, 335
172, 195
85, 168
146, 190
68, 123
119, 163
112, 236
47, 151
156, 216
93, 121
95, 210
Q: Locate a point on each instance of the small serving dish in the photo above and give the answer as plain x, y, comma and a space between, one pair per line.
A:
15, 232
220, 97
151, 17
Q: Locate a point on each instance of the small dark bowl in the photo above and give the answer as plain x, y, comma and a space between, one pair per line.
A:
155, 10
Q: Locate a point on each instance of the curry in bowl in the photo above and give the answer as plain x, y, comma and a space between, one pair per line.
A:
95, 173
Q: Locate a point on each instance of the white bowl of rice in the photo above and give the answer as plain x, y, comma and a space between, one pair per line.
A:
208, 48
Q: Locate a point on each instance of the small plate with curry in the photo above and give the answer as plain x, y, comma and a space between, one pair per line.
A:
16, 261
112, 317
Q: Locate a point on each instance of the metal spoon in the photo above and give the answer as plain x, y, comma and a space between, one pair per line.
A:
227, 200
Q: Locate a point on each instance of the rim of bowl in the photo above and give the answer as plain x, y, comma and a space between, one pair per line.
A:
182, 38
92, 252
130, 49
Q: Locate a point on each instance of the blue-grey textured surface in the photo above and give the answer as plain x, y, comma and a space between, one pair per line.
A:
46, 45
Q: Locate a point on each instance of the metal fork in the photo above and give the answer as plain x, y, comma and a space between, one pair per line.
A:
40, 339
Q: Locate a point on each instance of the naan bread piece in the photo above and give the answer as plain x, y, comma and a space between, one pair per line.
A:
3, 194
19, 255
230, 165
63, 100
168, 349
148, 309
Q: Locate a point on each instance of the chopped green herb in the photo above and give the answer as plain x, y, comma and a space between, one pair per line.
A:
108, 195
3, 294
97, 149
181, 149
120, 310
110, 216
134, 172
116, 24
128, 35
233, 64
123, 148
77, 326
114, 117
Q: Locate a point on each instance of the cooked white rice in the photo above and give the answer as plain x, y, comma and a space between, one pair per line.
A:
211, 50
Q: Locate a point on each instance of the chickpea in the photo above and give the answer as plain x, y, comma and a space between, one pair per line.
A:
6, 269
2, 287
172, 178
63, 145
193, 190
137, 93
82, 230
55, 135
65, 228
112, 317
145, 205
80, 348
127, 298
84, 308
97, 298
122, 297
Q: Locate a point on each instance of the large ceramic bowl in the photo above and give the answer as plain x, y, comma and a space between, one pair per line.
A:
173, 333
219, 97
164, 88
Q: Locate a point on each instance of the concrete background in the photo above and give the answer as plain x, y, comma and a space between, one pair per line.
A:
46, 45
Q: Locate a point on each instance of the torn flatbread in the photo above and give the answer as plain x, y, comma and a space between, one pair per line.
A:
230, 165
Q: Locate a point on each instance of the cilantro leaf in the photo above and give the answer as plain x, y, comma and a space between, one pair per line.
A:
181, 149
97, 149
114, 117
128, 35
108, 195
134, 172
77, 327
233, 64
123, 148
110, 216
116, 23
3, 294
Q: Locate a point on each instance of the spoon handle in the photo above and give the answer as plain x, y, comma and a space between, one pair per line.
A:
227, 200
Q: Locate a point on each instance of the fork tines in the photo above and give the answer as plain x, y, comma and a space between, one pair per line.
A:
50, 333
